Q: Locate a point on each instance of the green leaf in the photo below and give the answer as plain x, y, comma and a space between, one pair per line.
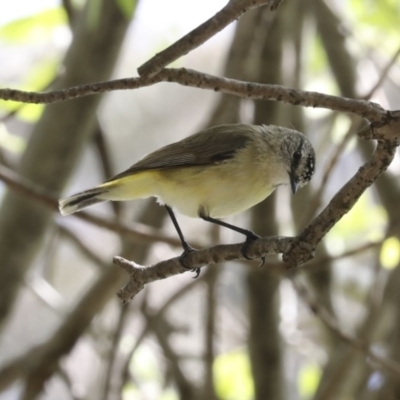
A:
308, 380
34, 29
145, 366
31, 112
376, 22
27, 112
127, 7
232, 375
390, 253
355, 226
130, 392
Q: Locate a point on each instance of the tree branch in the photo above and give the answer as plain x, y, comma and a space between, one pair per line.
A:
141, 275
296, 251
186, 77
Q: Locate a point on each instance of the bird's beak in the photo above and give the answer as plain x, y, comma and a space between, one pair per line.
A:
293, 183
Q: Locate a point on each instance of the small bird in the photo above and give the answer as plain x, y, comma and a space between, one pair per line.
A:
217, 172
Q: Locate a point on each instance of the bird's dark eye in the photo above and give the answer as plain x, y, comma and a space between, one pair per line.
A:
296, 156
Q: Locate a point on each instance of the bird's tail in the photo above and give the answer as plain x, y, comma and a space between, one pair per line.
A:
130, 187
81, 200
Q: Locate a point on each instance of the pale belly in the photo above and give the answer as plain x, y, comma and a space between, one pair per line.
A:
216, 194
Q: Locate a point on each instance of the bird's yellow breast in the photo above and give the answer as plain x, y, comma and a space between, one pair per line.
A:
217, 190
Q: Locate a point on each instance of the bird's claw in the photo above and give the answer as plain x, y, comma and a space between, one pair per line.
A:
251, 237
188, 249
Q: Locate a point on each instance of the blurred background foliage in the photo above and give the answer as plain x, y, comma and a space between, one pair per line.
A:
237, 332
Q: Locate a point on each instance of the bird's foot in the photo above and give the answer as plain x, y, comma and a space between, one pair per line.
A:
186, 250
250, 238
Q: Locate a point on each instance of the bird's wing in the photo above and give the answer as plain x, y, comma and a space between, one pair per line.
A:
211, 146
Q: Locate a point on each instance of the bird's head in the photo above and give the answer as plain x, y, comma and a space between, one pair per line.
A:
299, 158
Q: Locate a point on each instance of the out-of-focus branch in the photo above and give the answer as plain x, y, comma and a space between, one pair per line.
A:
69, 10
334, 41
147, 328
162, 328
63, 374
331, 322
330, 166
210, 319
46, 355
262, 285
345, 369
50, 158
186, 77
113, 351
325, 259
231, 12
383, 75
316, 262
103, 151
104, 156
82, 247
140, 232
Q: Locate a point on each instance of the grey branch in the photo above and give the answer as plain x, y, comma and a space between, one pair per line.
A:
141, 275
186, 77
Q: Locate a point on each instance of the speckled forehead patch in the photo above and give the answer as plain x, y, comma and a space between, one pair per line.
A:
309, 168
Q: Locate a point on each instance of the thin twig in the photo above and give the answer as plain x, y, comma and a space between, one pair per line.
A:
326, 259
162, 328
139, 232
346, 254
210, 331
63, 374
231, 12
82, 247
383, 76
112, 354
104, 156
146, 329
210, 322
330, 166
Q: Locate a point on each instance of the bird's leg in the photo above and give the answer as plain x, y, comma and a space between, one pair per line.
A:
250, 236
186, 246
